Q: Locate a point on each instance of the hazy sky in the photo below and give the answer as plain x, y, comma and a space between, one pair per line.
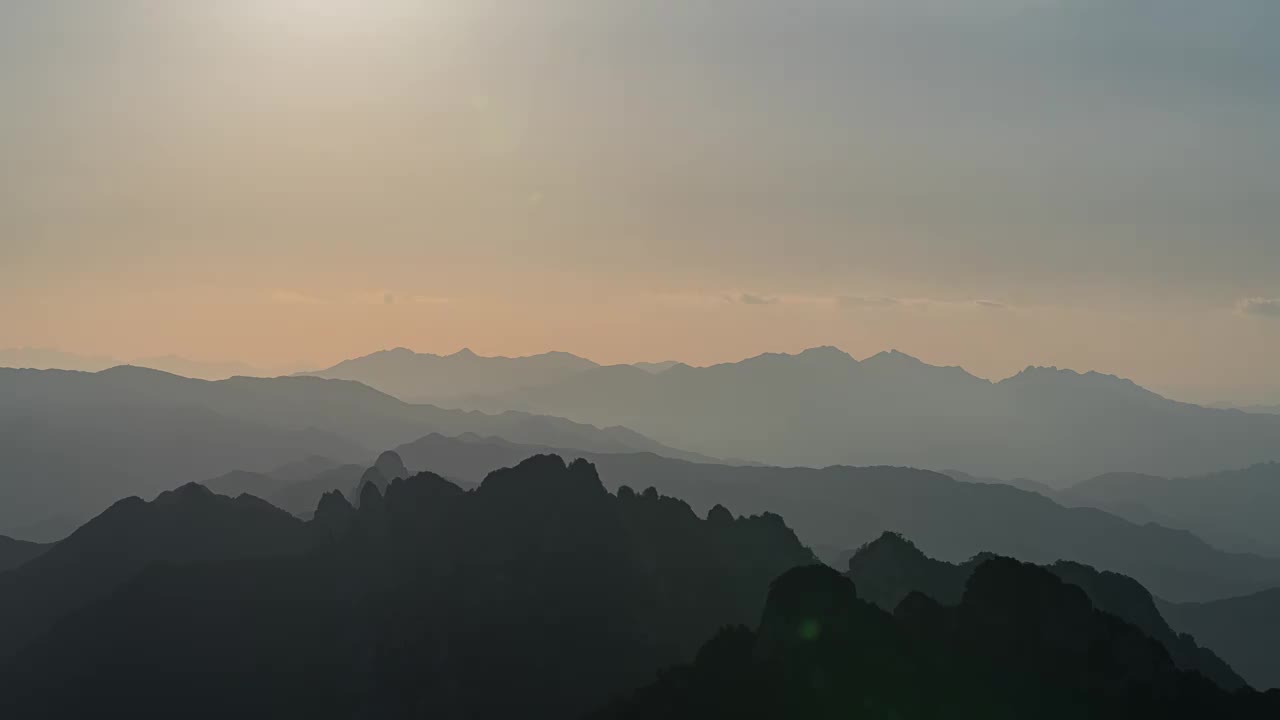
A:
991, 183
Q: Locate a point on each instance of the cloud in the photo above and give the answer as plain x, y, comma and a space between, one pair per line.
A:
990, 305
1262, 307
856, 302
750, 299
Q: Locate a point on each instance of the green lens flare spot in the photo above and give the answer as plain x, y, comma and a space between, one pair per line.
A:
810, 630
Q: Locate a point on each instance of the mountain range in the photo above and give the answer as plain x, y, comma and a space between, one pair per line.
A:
1020, 642
839, 508
823, 407
47, 359
890, 568
538, 594
1244, 630
444, 379
189, 524
424, 597
73, 442
1235, 510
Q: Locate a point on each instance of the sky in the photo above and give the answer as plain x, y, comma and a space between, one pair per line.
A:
1091, 184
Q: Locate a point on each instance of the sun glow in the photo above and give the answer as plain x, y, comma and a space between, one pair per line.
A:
330, 18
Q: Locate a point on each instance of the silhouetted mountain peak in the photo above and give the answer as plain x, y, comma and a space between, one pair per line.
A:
720, 515
333, 504
191, 492
391, 466
826, 352
803, 605
892, 545
416, 493
371, 500
893, 359
543, 477
464, 354
1004, 589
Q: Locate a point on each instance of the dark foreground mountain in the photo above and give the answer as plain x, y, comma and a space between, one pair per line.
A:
17, 552
1235, 509
1245, 630
889, 569
190, 524
537, 595
1020, 643
838, 508
74, 442
823, 407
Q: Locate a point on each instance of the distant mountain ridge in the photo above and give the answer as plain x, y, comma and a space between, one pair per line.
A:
1235, 509
1244, 630
47, 359
822, 407
74, 442
14, 553
426, 377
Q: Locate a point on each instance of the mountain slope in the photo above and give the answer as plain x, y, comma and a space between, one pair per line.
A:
1234, 509
823, 407
423, 377
537, 595
891, 568
74, 442
843, 507
838, 508
1245, 630
190, 524
14, 553
1020, 643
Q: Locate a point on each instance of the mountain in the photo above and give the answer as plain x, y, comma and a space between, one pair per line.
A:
14, 553
890, 568
537, 595
201, 369
1245, 630
295, 487
190, 524
45, 359
656, 367
1020, 643
74, 442
300, 498
837, 508
386, 468
442, 379
1021, 483
1235, 509
823, 407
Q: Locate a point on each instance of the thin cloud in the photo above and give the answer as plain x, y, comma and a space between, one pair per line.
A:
750, 299
1261, 307
990, 305
858, 302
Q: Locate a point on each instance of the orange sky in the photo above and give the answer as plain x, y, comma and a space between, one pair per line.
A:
289, 184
